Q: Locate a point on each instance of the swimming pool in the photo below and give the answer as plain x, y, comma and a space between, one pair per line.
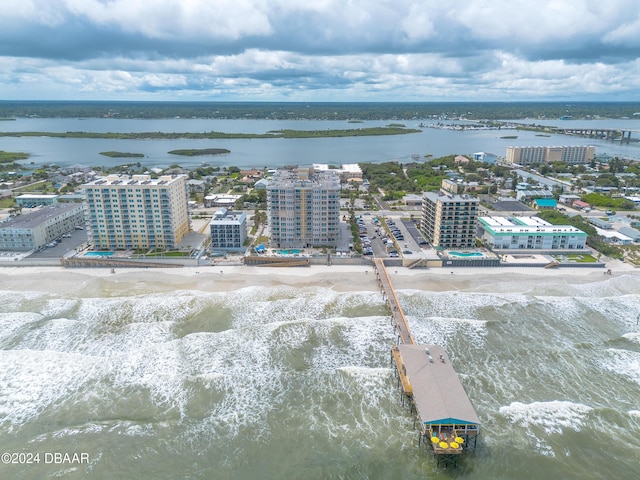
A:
289, 252
466, 254
98, 254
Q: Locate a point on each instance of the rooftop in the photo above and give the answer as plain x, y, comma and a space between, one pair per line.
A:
438, 394
40, 215
509, 226
135, 180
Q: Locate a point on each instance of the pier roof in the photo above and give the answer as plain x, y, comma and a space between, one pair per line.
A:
438, 394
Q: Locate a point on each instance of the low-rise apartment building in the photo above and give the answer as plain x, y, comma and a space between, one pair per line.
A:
529, 233
36, 229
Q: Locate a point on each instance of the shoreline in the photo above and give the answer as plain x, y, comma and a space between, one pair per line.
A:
92, 281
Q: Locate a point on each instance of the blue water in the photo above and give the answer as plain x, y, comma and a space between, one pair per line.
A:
469, 254
289, 252
98, 254
272, 153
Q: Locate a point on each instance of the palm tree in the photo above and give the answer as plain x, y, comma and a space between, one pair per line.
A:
15, 209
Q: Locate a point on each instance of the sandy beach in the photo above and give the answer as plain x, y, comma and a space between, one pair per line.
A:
92, 282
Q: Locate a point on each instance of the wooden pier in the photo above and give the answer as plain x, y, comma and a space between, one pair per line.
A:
405, 335
448, 422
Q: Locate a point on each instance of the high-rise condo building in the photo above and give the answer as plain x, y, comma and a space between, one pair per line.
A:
449, 221
533, 155
303, 208
137, 212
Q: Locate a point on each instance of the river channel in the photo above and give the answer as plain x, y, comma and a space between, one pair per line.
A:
279, 152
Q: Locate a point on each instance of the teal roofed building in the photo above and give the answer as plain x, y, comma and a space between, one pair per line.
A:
545, 204
529, 233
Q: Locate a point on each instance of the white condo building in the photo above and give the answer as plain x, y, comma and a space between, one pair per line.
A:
228, 230
530, 233
533, 155
303, 208
137, 212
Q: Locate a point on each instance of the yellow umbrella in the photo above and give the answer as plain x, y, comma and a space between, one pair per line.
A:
454, 445
459, 440
443, 445
435, 439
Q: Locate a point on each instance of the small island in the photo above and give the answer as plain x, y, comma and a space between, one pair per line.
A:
113, 154
287, 133
12, 156
192, 152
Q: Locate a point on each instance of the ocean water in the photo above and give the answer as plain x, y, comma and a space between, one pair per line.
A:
285, 382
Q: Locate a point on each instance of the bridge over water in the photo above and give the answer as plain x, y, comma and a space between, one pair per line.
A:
614, 134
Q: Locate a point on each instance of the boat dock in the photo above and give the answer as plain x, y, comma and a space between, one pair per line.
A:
449, 424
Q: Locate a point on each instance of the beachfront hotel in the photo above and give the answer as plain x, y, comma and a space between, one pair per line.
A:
228, 230
449, 221
303, 208
533, 155
529, 233
137, 212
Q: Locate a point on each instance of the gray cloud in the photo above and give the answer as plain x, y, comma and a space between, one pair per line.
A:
326, 49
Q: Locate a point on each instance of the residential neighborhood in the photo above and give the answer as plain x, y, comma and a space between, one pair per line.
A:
451, 211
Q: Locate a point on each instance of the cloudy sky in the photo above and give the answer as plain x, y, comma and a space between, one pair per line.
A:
320, 50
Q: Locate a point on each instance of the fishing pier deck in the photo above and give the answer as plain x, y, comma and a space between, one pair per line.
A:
448, 422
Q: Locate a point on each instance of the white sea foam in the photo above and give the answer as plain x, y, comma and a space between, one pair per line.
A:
559, 308
440, 330
58, 307
453, 304
284, 304
622, 362
552, 417
13, 324
632, 336
623, 309
141, 308
12, 301
538, 423
31, 381
60, 334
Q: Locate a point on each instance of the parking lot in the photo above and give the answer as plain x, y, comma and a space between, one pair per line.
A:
65, 245
390, 238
